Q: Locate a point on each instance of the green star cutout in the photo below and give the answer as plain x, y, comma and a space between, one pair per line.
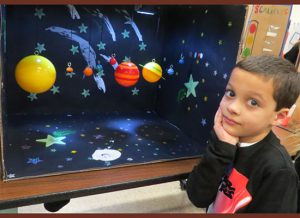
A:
82, 28
126, 59
55, 90
191, 85
142, 46
125, 34
70, 74
229, 24
135, 91
32, 96
39, 13
100, 73
50, 140
206, 11
101, 46
74, 49
40, 47
202, 34
220, 42
86, 92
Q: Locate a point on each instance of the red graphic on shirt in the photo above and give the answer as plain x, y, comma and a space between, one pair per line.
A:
232, 194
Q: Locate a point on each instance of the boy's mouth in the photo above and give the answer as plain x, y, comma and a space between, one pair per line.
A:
230, 121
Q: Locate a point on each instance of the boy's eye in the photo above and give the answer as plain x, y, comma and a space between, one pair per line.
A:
229, 93
252, 102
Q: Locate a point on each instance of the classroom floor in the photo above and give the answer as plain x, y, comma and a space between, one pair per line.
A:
161, 198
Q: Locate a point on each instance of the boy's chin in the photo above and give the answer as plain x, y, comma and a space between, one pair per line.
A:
231, 131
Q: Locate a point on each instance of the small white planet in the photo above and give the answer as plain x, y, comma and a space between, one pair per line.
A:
106, 154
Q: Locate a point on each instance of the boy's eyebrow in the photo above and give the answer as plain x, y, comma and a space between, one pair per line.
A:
254, 94
228, 84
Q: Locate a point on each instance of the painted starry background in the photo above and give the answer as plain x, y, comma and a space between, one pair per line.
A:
81, 124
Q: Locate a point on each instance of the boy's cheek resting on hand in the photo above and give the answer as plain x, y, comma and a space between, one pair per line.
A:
221, 132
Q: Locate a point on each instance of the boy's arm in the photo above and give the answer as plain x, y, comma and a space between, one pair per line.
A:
278, 193
204, 180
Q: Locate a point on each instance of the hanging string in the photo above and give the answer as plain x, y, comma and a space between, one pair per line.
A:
72, 11
131, 47
69, 64
90, 40
36, 52
158, 22
98, 63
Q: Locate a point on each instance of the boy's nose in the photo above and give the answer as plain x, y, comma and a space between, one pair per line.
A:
234, 107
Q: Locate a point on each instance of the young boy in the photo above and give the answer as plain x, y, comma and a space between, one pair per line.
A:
245, 168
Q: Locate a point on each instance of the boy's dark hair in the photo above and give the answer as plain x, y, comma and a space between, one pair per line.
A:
286, 80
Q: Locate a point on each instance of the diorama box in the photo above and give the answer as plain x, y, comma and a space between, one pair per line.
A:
95, 87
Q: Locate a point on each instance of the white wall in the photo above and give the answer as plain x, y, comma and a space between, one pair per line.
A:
294, 29
295, 16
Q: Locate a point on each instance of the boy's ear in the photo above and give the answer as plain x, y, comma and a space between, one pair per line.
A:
280, 116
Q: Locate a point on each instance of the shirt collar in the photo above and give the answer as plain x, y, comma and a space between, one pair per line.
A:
245, 144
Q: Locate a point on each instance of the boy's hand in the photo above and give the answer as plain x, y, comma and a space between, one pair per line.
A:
221, 132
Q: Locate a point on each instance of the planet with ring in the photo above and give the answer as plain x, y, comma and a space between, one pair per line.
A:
152, 72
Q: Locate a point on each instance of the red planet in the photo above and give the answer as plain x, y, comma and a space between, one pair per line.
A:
127, 74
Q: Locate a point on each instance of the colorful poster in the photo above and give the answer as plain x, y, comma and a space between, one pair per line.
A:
265, 30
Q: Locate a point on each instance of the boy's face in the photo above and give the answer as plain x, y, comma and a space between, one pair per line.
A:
248, 106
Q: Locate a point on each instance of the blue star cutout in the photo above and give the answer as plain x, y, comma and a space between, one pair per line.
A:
125, 34
50, 140
86, 92
135, 91
40, 47
32, 96
82, 28
203, 122
34, 160
39, 13
225, 76
11, 175
99, 136
191, 85
55, 90
70, 74
74, 49
142, 46
107, 163
101, 46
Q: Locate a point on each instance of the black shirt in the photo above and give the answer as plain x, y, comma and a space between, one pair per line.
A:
260, 178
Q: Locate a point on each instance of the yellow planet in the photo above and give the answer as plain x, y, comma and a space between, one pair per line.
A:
35, 74
152, 72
